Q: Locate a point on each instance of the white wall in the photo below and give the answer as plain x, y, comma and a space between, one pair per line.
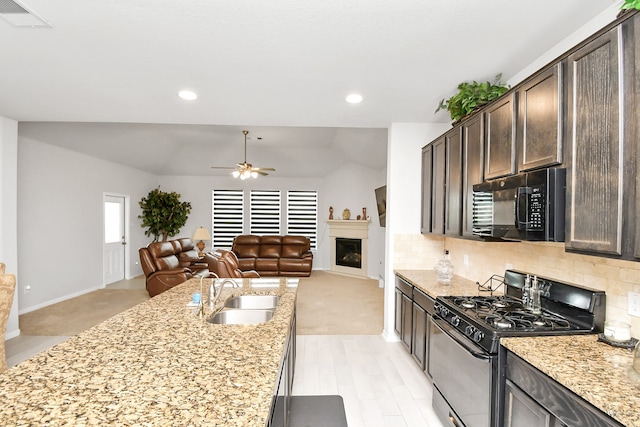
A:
8, 211
351, 186
60, 226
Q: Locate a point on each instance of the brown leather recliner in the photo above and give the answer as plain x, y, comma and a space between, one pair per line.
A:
163, 268
225, 264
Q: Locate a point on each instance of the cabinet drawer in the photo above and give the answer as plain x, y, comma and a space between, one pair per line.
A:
404, 287
423, 300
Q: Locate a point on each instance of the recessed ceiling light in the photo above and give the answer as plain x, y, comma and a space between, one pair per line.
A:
188, 95
354, 98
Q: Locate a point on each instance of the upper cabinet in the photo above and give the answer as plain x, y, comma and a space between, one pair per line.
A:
438, 191
594, 130
453, 182
500, 128
473, 167
540, 120
427, 166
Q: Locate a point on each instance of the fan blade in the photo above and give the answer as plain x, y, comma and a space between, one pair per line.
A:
261, 173
264, 169
224, 167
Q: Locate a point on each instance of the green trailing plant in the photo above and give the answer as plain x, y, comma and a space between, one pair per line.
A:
471, 96
630, 4
163, 214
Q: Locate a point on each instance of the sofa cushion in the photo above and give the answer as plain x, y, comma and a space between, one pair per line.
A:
267, 264
271, 247
247, 246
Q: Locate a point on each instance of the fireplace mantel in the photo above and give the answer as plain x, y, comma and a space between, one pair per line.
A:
349, 229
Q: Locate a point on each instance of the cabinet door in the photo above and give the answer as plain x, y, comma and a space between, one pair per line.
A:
521, 410
407, 313
540, 132
500, 127
453, 182
594, 186
419, 335
427, 160
397, 324
473, 158
438, 189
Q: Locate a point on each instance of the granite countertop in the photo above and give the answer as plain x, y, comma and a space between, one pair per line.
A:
157, 364
426, 281
598, 372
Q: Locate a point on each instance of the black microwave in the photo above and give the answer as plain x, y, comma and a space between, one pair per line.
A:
528, 206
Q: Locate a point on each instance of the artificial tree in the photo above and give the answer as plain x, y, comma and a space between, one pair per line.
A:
163, 214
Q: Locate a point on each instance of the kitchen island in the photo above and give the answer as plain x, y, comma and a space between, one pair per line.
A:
598, 372
157, 364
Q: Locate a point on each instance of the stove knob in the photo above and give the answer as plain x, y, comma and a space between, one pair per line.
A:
444, 311
478, 336
469, 330
455, 320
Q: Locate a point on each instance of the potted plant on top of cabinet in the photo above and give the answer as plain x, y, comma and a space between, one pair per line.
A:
471, 96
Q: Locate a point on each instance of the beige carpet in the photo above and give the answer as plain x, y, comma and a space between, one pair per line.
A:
328, 304
75, 315
332, 304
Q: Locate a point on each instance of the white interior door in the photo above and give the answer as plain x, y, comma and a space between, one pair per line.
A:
114, 239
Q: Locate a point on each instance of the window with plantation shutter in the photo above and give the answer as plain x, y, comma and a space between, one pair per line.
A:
264, 212
302, 214
228, 217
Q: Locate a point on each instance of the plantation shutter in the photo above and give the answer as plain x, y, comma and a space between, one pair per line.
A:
265, 212
302, 214
228, 214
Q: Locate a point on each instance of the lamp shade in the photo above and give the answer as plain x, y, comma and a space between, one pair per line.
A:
201, 234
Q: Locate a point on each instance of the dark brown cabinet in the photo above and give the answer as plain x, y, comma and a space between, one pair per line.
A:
438, 186
540, 120
500, 128
427, 163
534, 399
404, 311
453, 182
419, 335
473, 167
594, 125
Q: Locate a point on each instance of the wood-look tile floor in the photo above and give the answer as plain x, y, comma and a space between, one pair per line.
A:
380, 383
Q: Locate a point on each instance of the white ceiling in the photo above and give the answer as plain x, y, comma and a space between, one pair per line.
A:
278, 68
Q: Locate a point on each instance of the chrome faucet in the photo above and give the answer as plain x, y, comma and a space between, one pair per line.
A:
216, 295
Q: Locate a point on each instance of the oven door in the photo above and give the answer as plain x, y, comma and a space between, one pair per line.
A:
463, 374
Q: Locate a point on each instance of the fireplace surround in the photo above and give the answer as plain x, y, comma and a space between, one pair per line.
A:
349, 240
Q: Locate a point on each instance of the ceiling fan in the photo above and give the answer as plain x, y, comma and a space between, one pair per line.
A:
245, 170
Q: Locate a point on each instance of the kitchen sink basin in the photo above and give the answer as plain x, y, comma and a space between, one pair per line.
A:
253, 302
241, 317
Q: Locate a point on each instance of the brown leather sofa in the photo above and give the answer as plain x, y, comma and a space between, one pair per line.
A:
288, 255
167, 264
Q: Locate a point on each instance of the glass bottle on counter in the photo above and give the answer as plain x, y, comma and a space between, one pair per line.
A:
444, 269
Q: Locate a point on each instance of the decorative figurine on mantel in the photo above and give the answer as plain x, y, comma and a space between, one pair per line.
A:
330, 212
364, 214
346, 214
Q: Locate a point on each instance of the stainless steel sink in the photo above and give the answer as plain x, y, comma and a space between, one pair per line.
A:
241, 317
253, 302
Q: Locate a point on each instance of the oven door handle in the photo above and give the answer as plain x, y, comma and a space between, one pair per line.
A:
447, 329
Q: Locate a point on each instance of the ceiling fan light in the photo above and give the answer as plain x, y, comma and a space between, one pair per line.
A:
235, 174
254, 174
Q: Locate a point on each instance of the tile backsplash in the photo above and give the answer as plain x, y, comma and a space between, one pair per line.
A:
617, 278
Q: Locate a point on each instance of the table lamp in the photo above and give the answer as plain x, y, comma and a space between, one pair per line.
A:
201, 234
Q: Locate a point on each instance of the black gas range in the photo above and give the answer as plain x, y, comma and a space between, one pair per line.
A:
466, 361
565, 309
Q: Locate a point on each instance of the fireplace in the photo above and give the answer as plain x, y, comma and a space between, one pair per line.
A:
349, 240
349, 252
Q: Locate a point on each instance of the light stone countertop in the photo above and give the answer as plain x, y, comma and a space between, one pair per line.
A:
157, 364
596, 371
427, 282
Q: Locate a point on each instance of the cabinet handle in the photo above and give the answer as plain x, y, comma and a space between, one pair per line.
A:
453, 420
